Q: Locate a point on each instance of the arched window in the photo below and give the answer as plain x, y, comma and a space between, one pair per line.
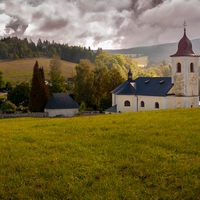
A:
127, 103
142, 104
191, 67
178, 67
156, 105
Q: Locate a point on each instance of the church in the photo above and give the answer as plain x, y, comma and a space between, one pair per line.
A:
181, 90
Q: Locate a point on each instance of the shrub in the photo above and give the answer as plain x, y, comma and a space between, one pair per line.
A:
8, 107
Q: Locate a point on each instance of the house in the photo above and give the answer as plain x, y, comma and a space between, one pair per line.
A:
181, 90
61, 104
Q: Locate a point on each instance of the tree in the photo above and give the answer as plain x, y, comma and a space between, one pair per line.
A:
111, 80
39, 93
99, 91
57, 81
20, 94
84, 83
8, 107
2, 82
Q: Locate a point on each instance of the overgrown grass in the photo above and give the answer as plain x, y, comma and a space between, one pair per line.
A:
144, 155
22, 69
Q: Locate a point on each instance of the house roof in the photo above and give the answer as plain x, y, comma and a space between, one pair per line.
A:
61, 101
112, 109
151, 86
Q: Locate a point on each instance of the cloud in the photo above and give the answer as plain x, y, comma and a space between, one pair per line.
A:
97, 23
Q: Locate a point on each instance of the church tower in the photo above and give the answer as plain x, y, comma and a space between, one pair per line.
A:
185, 74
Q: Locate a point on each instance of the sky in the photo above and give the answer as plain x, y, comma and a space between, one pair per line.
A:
107, 24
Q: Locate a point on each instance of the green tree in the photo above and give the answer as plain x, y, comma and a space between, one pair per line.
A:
111, 80
39, 93
2, 82
20, 94
84, 83
57, 81
99, 91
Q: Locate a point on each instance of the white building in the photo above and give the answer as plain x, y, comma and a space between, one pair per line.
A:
181, 90
61, 104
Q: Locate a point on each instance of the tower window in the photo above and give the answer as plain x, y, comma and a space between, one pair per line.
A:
127, 103
178, 67
142, 104
156, 105
191, 67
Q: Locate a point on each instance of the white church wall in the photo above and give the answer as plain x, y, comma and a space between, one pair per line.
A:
120, 99
150, 102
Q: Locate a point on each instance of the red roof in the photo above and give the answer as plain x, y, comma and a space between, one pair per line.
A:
184, 47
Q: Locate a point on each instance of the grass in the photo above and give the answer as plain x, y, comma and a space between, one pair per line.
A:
22, 69
142, 61
144, 155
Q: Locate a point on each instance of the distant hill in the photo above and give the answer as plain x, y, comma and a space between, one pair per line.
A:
156, 53
22, 69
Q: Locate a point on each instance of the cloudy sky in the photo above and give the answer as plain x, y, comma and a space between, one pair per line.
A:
100, 23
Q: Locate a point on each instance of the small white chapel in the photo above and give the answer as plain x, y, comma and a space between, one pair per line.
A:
181, 90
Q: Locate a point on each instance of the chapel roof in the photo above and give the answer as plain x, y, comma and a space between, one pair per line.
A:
149, 86
61, 101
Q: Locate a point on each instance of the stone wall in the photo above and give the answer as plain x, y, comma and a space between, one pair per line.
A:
42, 114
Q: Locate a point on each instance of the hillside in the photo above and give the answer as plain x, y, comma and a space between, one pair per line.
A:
157, 52
22, 69
143, 155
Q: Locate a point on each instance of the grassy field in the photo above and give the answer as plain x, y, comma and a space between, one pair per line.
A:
144, 155
142, 61
22, 69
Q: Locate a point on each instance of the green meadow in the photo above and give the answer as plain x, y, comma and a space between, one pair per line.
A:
22, 69
145, 155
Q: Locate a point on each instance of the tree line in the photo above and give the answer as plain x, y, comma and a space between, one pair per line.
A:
16, 48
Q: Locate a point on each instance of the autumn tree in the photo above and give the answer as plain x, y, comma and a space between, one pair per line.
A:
39, 93
57, 82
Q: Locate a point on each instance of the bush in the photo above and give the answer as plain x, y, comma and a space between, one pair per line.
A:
8, 107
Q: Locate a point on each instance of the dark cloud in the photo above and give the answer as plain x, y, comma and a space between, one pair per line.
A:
34, 3
52, 24
18, 26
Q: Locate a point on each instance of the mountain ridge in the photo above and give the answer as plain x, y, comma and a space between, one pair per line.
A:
157, 53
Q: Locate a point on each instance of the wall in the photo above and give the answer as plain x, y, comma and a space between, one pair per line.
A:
43, 114
61, 112
120, 99
164, 102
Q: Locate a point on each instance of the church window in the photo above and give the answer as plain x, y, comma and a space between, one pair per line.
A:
179, 67
127, 103
156, 105
191, 67
142, 104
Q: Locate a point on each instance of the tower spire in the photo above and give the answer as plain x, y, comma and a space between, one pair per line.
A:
184, 25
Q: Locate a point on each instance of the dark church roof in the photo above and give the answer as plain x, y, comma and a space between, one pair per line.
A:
150, 86
184, 47
61, 101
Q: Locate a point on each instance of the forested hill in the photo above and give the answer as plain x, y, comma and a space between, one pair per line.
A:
15, 48
157, 52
